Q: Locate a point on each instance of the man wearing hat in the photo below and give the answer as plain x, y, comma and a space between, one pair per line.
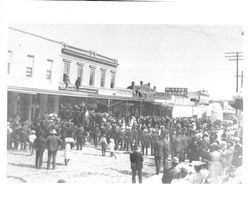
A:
39, 145
159, 147
172, 173
145, 141
136, 160
53, 144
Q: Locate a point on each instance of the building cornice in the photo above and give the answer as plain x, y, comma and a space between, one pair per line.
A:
83, 54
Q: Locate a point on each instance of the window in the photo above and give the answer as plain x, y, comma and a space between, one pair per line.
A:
30, 66
79, 70
103, 77
112, 81
9, 60
92, 76
66, 70
49, 69
66, 64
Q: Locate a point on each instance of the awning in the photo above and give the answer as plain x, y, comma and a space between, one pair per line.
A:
238, 104
35, 91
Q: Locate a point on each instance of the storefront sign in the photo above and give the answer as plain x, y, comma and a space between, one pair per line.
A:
81, 90
162, 95
176, 91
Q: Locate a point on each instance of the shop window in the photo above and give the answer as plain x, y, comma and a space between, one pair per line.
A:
103, 77
49, 69
92, 76
112, 81
30, 66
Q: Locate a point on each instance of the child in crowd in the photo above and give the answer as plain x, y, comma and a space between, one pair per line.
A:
103, 144
67, 150
112, 148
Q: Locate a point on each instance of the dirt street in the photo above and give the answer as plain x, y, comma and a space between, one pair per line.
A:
86, 166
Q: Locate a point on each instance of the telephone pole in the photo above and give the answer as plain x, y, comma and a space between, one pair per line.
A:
241, 77
235, 56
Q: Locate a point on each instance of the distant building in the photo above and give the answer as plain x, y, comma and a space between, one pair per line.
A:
200, 97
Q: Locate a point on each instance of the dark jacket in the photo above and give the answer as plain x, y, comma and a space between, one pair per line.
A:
53, 142
153, 138
80, 133
159, 148
136, 160
166, 149
145, 139
178, 144
39, 144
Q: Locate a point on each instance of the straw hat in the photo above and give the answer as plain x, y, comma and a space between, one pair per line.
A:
32, 132
53, 131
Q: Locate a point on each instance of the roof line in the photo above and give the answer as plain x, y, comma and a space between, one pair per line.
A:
60, 42
77, 48
36, 35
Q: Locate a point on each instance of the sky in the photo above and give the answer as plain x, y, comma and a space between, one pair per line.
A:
187, 56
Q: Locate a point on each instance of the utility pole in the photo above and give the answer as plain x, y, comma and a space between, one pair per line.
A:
241, 86
235, 56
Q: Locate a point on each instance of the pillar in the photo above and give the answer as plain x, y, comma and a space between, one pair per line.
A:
29, 105
43, 104
56, 104
12, 104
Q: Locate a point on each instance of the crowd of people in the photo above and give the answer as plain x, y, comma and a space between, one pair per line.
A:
172, 141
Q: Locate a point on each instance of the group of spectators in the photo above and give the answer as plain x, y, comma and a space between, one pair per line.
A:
214, 144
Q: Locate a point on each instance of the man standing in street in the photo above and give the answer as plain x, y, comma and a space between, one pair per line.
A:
136, 160
166, 151
53, 144
79, 137
145, 141
159, 146
39, 145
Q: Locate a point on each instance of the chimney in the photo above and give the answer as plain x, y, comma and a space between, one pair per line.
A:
141, 82
149, 84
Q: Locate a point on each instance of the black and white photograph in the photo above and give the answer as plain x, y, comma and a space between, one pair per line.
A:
125, 103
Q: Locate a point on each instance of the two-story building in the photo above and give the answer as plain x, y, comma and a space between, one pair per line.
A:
39, 67
33, 68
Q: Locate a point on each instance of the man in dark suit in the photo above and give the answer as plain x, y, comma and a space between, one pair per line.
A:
153, 140
79, 137
145, 141
53, 144
178, 147
136, 160
166, 151
159, 146
39, 145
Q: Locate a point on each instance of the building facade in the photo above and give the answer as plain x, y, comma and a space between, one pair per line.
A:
37, 71
33, 67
